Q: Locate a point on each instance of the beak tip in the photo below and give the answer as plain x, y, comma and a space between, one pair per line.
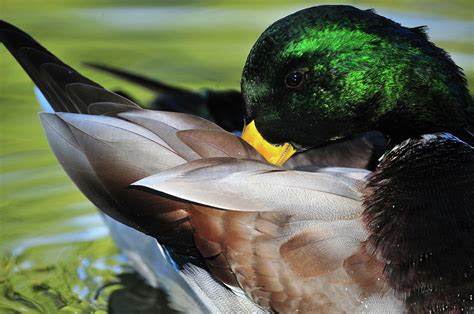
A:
274, 154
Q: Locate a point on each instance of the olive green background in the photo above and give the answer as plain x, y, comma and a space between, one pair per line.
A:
54, 249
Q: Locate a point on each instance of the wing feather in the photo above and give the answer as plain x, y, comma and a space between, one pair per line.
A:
215, 143
249, 185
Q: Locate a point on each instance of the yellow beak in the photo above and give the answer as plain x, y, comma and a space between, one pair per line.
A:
274, 154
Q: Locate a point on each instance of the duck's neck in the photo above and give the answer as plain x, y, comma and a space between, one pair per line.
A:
420, 216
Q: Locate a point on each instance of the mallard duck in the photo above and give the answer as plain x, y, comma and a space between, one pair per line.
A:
331, 239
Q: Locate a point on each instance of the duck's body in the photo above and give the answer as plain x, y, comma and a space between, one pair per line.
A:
307, 242
332, 240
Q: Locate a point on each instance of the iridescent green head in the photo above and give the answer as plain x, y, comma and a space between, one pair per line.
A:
327, 72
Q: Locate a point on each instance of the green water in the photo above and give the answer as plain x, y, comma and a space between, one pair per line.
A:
55, 254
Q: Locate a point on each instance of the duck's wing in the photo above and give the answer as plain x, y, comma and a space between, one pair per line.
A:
359, 151
105, 142
103, 155
290, 239
225, 107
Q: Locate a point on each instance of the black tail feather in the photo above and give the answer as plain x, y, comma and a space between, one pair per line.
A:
54, 78
148, 83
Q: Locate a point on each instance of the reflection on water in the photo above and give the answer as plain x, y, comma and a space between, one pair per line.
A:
135, 296
55, 252
92, 229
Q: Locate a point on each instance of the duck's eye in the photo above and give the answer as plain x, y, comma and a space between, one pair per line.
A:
294, 79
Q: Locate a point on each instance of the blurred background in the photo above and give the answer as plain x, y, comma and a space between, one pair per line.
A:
55, 252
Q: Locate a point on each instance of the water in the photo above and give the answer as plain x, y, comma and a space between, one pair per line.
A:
55, 252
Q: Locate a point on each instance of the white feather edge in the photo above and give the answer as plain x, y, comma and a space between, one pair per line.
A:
248, 185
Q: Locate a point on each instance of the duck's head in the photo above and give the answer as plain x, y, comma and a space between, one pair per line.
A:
328, 72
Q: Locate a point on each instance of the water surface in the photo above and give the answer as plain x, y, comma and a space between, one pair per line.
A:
55, 252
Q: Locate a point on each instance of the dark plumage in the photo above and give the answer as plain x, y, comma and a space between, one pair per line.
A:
419, 210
